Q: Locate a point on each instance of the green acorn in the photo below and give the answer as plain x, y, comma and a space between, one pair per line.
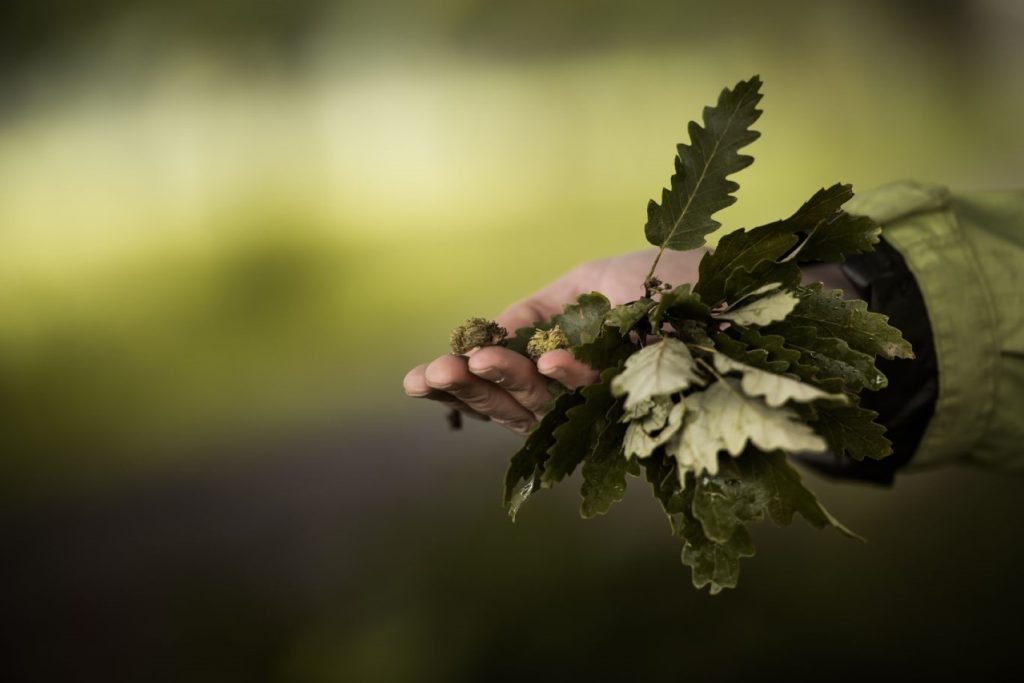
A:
543, 341
476, 332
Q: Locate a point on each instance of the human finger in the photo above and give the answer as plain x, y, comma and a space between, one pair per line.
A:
451, 374
516, 374
415, 385
562, 366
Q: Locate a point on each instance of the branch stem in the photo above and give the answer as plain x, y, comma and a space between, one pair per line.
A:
654, 266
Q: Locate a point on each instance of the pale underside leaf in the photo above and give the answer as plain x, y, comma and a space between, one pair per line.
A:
647, 433
722, 418
774, 388
660, 369
764, 311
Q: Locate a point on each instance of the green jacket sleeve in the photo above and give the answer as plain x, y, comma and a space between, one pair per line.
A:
966, 251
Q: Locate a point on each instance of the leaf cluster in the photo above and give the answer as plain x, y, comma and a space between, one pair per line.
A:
705, 389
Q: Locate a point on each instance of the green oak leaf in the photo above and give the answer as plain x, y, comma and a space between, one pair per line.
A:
829, 357
747, 250
576, 436
712, 564
608, 350
748, 488
772, 343
582, 321
726, 502
716, 565
525, 468
830, 233
774, 388
822, 205
625, 316
691, 331
660, 472
660, 369
758, 357
741, 250
770, 352
777, 353
763, 311
604, 481
700, 188
681, 304
605, 467
743, 282
839, 236
851, 429
786, 494
848, 319
723, 418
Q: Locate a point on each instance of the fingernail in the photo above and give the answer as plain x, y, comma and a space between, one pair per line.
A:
518, 426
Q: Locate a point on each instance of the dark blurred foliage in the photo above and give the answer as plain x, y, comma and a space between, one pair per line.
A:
36, 30
49, 30
53, 31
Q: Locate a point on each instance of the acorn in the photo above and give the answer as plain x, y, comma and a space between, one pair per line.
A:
543, 341
476, 332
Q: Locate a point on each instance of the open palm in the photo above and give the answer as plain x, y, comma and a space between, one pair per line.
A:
494, 383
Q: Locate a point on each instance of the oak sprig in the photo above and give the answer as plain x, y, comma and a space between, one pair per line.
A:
704, 390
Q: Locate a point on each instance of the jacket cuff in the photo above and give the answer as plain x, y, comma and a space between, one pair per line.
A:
919, 222
907, 403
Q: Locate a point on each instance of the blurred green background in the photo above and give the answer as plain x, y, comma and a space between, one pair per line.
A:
227, 229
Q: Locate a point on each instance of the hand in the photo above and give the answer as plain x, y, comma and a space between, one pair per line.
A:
494, 383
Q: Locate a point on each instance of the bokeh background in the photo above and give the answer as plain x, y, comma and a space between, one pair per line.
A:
228, 228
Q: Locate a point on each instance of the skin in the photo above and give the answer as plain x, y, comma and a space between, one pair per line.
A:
493, 383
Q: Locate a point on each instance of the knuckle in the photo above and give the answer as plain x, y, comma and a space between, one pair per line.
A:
487, 403
535, 399
486, 357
